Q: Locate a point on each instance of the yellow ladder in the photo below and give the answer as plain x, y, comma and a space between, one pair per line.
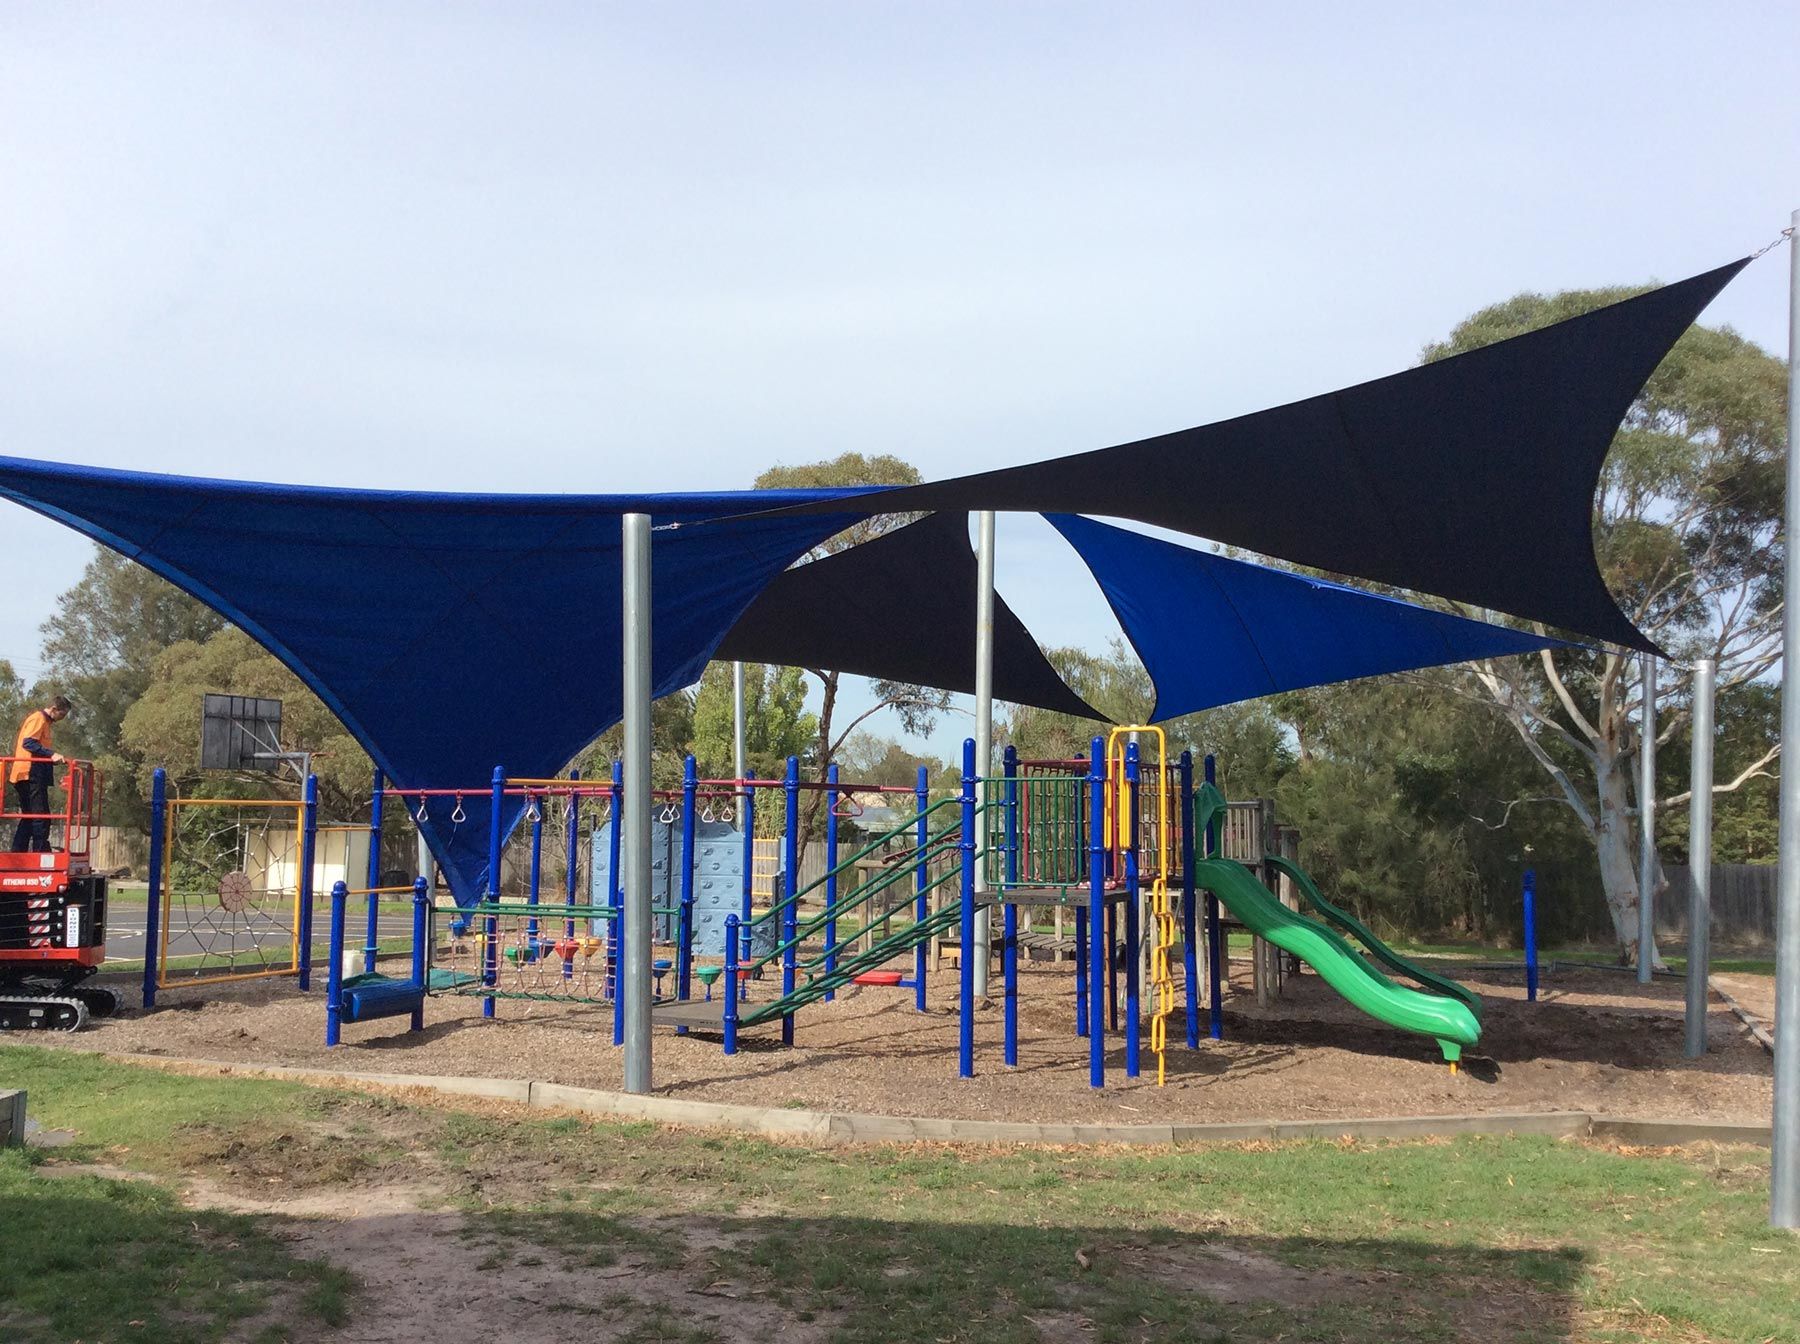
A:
1154, 867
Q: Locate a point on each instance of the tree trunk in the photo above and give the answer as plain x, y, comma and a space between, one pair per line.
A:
1616, 840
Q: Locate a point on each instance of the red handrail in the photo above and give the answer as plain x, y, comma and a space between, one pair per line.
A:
80, 814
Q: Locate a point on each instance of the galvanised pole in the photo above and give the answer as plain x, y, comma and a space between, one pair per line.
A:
984, 728
1700, 820
737, 720
1784, 1174
634, 1001
1647, 825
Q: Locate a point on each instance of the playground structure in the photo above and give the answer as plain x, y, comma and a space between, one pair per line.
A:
53, 914
1149, 888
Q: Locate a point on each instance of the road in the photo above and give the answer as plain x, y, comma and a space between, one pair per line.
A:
125, 933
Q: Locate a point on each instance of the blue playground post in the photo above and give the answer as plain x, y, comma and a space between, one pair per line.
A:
334, 973
1531, 962
1112, 962
571, 862
730, 1017
373, 938
1081, 970
421, 945
490, 951
1190, 953
1096, 912
684, 934
1215, 936
965, 957
790, 887
735, 985
537, 874
831, 863
309, 839
159, 822
1009, 946
615, 897
1133, 967
921, 897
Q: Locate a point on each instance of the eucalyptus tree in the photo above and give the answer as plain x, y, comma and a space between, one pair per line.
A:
1687, 528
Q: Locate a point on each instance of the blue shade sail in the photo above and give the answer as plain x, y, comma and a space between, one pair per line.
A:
1213, 631
451, 633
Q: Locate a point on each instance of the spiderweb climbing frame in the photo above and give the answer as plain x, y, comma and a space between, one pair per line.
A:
231, 891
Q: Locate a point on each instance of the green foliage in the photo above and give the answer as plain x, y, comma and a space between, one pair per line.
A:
163, 726
671, 736
867, 759
100, 644
776, 724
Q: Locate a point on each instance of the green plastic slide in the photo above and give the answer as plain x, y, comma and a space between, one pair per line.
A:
1441, 984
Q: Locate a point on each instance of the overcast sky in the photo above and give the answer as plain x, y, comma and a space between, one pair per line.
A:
597, 247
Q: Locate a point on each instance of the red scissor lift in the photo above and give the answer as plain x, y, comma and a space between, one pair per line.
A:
53, 915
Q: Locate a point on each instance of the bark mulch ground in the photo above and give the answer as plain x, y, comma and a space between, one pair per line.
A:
1595, 1041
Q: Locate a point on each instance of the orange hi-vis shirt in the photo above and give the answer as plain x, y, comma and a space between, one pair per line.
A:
37, 725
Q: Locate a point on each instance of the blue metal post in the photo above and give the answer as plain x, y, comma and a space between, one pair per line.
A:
421, 945
334, 973
1081, 971
537, 875
1531, 962
790, 887
1009, 945
1215, 936
735, 984
1133, 931
831, 881
731, 975
490, 954
1190, 951
571, 865
1112, 963
921, 880
615, 897
965, 959
373, 938
684, 934
159, 822
309, 839
1096, 912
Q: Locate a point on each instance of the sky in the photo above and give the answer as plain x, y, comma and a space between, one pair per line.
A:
594, 247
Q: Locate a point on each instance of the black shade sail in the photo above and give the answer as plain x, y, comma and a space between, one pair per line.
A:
1472, 478
901, 607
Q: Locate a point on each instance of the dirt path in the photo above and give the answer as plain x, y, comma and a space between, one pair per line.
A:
437, 1275
1755, 994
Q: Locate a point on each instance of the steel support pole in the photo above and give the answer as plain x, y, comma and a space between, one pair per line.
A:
1700, 782
1784, 1174
634, 1002
1647, 824
984, 731
737, 720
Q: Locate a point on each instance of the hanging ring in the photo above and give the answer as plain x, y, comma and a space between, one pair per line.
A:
422, 816
458, 817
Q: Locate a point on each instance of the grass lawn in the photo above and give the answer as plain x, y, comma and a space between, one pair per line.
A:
1490, 1239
